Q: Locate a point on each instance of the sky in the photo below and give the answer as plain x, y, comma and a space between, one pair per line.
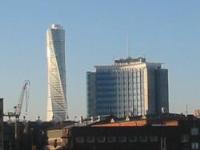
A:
96, 34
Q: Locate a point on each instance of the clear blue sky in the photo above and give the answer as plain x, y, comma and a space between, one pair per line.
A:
96, 30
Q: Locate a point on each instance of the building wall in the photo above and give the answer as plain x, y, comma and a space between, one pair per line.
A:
151, 91
56, 107
126, 138
106, 92
91, 93
130, 91
156, 135
162, 91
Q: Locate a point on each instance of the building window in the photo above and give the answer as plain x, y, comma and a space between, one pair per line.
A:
122, 139
194, 131
132, 139
101, 139
90, 139
143, 138
79, 139
111, 139
195, 145
153, 138
184, 138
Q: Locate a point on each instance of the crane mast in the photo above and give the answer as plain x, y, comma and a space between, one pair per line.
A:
24, 96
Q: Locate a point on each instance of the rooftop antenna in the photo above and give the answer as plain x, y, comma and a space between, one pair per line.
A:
186, 111
143, 53
113, 59
128, 46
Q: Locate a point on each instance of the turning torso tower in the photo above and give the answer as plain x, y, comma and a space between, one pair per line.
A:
57, 99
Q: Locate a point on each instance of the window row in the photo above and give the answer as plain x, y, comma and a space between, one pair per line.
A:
114, 139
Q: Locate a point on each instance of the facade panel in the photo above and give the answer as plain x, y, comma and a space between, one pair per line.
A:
91, 88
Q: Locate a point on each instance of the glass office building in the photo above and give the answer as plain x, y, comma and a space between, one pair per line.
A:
57, 101
128, 87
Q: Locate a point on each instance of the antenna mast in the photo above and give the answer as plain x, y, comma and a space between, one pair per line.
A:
128, 46
186, 111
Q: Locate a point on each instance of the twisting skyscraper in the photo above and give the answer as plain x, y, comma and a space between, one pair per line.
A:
57, 101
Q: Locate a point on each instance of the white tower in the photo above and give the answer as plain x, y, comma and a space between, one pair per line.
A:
57, 101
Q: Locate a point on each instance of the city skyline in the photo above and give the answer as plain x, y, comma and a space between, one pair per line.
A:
96, 32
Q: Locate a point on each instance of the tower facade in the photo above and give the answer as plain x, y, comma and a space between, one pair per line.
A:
57, 100
128, 87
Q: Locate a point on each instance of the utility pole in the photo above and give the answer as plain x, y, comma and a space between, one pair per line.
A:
16, 135
1, 124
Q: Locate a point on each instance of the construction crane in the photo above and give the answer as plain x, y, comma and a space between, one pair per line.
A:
24, 96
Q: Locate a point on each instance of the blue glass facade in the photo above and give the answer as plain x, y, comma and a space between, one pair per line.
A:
106, 95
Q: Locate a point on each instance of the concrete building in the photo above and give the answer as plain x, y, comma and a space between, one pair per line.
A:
57, 101
166, 132
128, 87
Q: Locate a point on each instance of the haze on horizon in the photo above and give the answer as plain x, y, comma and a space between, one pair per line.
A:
96, 33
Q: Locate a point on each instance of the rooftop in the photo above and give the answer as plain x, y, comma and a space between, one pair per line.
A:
130, 60
56, 26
